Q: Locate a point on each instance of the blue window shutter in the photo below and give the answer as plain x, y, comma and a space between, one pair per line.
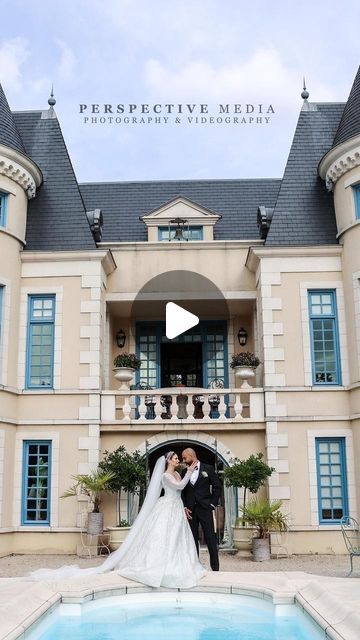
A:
36, 484
40, 342
324, 337
356, 190
1, 312
3, 207
331, 480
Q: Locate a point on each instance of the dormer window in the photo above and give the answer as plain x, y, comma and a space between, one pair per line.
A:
180, 230
356, 189
3, 203
180, 219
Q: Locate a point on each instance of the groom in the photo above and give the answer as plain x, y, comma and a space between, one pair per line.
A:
200, 500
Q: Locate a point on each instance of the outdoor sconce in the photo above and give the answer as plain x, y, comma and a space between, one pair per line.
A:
120, 338
242, 336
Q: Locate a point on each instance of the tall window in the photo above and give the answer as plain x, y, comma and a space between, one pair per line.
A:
191, 233
36, 482
356, 190
1, 313
324, 338
3, 203
332, 482
40, 346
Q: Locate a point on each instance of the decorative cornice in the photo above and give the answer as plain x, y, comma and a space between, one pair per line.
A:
339, 161
20, 169
255, 254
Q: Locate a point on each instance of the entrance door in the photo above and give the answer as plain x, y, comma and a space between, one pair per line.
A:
181, 364
196, 358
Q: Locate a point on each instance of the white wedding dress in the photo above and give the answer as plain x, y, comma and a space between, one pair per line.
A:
163, 553
159, 550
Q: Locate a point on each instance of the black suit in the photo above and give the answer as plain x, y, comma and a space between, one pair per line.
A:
201, 498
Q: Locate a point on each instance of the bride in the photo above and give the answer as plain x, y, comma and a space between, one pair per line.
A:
159, 550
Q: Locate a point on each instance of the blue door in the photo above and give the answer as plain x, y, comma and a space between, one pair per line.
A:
203, 348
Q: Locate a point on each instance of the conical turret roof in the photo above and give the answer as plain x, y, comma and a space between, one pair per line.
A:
9, 134
350, 122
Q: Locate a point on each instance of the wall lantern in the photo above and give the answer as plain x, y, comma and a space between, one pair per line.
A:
242, 336
120, 338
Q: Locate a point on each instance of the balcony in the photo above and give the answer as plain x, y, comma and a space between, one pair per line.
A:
178, 406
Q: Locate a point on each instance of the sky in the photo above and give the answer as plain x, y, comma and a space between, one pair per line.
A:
179, 52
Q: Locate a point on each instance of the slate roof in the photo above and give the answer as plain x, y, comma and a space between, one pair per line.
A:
236, 200
9, 134
350, 122
56, 216
304, 212
303, 209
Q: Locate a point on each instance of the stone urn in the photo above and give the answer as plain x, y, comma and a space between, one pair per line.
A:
244, 374
124, 375
242, 539
117, 536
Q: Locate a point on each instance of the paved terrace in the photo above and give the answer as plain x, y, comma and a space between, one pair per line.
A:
316, 583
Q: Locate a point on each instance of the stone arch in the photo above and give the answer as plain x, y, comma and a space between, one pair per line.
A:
194, 437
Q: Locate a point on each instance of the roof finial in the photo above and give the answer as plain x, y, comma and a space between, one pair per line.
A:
304, 94
52, 101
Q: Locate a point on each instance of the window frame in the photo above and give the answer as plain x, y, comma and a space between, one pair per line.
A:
25, 477
32, 322
2, 295
334, 317
196, 227
356, 192
3, 208
344, 480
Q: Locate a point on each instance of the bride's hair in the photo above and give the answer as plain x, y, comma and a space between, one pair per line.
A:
168, 457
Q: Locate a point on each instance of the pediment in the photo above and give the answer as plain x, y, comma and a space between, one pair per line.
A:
181, 207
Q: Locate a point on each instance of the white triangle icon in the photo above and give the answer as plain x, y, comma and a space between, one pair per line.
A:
178, 320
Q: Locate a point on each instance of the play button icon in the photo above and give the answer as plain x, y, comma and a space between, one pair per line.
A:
178, 320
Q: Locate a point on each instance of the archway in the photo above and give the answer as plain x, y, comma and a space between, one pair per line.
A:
210, 451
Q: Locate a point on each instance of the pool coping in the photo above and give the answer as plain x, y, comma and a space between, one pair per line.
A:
24, 604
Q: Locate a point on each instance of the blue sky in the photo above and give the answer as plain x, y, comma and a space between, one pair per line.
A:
198, 51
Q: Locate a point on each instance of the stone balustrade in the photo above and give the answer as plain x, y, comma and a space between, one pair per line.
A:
182, 405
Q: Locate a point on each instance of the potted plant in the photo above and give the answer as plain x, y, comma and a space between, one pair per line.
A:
92, 485
249, 474
125, 365
265, 516
129, 474
244, 365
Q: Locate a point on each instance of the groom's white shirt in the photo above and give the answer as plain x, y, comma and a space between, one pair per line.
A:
195, 474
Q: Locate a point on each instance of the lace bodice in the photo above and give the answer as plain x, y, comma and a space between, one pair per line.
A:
173, 485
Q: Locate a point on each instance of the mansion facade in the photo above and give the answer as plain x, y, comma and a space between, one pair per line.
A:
85, 271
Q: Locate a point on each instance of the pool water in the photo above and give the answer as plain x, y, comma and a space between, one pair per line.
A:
177, 616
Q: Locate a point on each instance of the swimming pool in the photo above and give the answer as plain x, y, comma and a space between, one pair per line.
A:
179, 616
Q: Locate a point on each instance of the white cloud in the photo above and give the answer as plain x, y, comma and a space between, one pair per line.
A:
262, 77
13, 54
67, 63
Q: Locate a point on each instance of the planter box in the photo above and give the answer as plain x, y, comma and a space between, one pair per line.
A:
242, 539
117, 536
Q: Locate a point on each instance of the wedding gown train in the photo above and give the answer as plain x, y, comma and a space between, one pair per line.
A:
163, 553
159, 549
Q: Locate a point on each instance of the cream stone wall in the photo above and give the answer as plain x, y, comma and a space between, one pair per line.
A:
16, 209
10, 279
223, 263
